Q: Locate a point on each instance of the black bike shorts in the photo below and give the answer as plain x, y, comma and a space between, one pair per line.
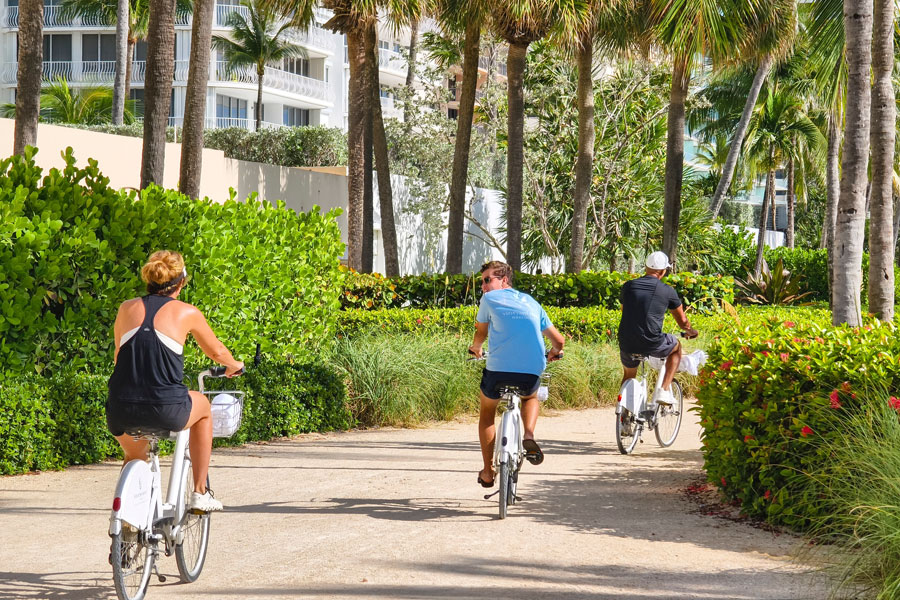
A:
124, 416
665, 348
492, 381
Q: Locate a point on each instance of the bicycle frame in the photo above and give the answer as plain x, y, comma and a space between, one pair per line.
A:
633, 395
138, 500
511, 431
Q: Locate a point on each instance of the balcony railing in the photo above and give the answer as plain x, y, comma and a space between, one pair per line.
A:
388, 59
275, 78
484, 62
223, 10
314, 37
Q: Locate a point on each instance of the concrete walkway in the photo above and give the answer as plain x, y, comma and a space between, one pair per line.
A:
398, 514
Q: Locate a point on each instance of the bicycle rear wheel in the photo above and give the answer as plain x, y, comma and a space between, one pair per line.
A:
668, 418
132, 563
505, 476
628, 431
190, 552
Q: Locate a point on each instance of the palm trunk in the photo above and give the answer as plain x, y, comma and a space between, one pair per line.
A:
881, 217
737, 141
129, 65
29, 74
768, 198
515, 152
850, 228
158, 89
195, 101
357, 106
260, 75
411, 63
675, 159
383, 169
119, 86
460, 175
368, 233
789, 197
584, 164
832, 196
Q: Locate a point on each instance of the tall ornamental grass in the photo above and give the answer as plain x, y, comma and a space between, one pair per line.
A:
857, 489
404, 379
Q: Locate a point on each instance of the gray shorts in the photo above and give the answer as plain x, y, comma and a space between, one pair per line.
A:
665, 348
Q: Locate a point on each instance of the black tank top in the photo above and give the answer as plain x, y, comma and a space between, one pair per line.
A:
146, 369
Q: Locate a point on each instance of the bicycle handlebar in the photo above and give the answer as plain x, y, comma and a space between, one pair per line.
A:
220, 372
484, 356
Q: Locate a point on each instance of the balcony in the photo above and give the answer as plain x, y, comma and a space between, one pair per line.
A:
54, 17
484, 63
391, 61
224, 10
274, 78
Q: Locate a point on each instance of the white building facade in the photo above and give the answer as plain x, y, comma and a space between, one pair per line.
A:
300, 91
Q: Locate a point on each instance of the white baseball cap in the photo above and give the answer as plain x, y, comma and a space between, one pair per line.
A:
658, 261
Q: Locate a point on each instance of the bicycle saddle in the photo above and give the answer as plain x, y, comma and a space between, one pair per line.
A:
149, 433
511, 388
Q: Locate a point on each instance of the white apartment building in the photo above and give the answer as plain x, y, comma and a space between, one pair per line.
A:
301, 91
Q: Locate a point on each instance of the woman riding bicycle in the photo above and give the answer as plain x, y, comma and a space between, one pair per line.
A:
146, 389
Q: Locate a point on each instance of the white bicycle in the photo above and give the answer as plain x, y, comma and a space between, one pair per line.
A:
140, 520
509, 450
633, 413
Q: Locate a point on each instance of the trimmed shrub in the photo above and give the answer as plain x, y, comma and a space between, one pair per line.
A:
26, 428
588, 288
286, 146
766, 401
78, 407
71, 248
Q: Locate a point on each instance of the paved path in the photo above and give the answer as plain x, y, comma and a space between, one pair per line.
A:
398, 514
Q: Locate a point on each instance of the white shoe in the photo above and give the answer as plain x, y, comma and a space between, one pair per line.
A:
205, 502
665, 398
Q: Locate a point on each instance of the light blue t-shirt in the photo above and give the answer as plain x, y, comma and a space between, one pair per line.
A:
515, 322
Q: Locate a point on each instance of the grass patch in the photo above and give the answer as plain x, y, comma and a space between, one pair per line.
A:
405, 379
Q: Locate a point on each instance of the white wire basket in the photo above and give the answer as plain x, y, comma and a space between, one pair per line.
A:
227, 412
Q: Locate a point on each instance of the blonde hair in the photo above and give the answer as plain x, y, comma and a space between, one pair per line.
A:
163, 272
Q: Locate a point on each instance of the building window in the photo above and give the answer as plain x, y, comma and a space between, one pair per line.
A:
451, 87
346, 51
137, 94
58, 48
100, 47
384, 45
397, 47
452, 113
140, 50
295, 117
297, 66
228, 108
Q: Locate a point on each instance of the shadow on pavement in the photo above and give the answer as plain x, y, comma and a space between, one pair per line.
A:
72, 585
412, 509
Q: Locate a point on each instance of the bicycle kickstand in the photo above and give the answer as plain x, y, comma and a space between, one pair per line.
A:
489, 496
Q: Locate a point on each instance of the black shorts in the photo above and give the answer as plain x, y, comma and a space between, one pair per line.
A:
665, 348
123, 416
492, 381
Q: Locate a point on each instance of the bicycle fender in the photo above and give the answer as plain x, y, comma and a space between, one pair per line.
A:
134, 493
509, 442
632, 397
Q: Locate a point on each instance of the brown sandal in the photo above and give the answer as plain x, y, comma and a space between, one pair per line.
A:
486, 484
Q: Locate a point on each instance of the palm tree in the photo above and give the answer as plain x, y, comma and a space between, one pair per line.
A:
29, 75
120, 85
157, 89
773, 33
257, 43
778, 123
881, 218
521, 22
468, 16
851, 212
688, 30
195, 100
83, 106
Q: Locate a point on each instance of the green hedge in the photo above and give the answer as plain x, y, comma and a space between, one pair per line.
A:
53, 422
767, 399
71, 248
582, 290
286, 146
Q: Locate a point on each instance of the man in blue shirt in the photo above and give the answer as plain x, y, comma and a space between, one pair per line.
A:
516, 325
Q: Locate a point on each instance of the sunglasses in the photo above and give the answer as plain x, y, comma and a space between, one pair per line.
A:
487, 279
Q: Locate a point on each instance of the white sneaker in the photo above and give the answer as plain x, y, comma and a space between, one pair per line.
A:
665, 398
205, 502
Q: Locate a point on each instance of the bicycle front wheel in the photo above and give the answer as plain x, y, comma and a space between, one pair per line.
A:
190, 552
132, 563
668, 418
505, 476
628, 431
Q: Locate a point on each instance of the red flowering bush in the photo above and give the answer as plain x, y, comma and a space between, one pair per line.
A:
768, 415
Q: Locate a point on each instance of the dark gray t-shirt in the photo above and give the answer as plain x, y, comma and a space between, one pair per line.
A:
645, 301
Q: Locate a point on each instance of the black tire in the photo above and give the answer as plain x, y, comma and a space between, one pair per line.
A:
513, 481
132, 564
628, 431
505, 479
190, 551
668, 418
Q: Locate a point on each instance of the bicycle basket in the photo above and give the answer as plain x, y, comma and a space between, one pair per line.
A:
227, 410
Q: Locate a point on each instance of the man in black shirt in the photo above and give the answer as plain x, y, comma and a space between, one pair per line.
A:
645, 301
